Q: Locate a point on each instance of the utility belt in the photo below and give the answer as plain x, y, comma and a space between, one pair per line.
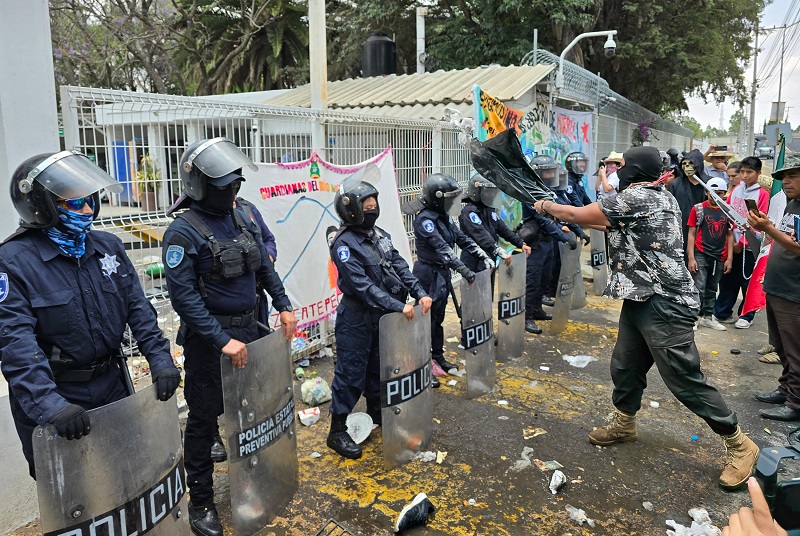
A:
241, 320
66, 371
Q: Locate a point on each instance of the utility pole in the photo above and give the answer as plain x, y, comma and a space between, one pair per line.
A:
778, 114
318, 60
752, 122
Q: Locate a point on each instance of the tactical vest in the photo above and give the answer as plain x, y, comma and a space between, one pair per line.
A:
233, 257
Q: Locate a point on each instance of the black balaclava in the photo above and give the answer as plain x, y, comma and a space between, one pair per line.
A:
642, 164
370, 217
219, 201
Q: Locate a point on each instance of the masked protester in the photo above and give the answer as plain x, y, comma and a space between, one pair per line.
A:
374, 280
436, 234
660, 304
686, 189
213, 260
67, 294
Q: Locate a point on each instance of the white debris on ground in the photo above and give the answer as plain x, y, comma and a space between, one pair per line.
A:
701, 525
579, 516
524, 461
579, 361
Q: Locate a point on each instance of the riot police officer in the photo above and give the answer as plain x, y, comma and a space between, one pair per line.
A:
374, 280
576, 164
212, 261
66, 295
539, 232
480, 222
436, 234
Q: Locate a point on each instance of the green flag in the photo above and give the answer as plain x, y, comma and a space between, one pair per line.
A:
777, 185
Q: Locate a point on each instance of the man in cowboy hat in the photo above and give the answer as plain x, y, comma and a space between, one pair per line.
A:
719, 156
607, 182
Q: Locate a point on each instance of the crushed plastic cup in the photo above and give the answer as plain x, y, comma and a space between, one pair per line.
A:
308, 416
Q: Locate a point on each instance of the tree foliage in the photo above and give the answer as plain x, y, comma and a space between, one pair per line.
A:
736, 122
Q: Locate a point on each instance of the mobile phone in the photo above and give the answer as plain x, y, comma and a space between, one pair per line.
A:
722, 147
797, 228
752, 206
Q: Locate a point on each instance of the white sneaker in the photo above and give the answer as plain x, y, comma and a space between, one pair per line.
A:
711, 323
742, 324
730, 320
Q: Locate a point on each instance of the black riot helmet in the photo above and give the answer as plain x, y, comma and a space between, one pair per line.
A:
353, 191
483, 191
42, 179
441, 193
563, 179
547, 169
573, 159
213, 162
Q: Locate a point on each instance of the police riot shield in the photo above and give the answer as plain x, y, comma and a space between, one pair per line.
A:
126, 477
598, 261
260, 427
579, 294
570, 263
406, 374
510, 308
478, 334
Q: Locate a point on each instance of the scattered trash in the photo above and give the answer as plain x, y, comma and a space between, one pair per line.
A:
654, 404
647, 505
308, 416
471, 502
556, 481
452, 339
767, 431
548, 465
304, 362
359, 426
533, 383
315, 455
440, 456
463, 363
694, 438
437, 370
298, 343
460, 373
579, 516
531, 432
299, 373
735, 351
503, 417
452, 382
701, 525
415, 513
524, 460
315, 391
579, 361
503, 402
426, 456
546, 369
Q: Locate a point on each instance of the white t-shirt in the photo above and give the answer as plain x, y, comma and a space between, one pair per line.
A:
613, 180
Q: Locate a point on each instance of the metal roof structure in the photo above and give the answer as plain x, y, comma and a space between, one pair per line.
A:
421, 96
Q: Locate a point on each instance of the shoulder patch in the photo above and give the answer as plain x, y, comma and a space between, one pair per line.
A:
474, 218
3, 286
344, 253
569, 189
175, 255
494, 216
428, 226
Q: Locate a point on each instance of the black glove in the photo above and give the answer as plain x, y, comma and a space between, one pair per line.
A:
71, 422
585, 239
166, 382
570, 240
466, 273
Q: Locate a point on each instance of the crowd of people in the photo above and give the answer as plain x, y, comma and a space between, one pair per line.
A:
676, 262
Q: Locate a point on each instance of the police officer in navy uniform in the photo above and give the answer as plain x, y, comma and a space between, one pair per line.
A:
480, 222
66, 295
540, 233
374, 280
212, 261
436, 234
576, 164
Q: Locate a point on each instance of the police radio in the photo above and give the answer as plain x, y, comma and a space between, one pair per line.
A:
782, 497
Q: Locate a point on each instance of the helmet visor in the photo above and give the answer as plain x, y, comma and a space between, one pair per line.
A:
70, 175
452, 202
491, 195
218, 157
369, 173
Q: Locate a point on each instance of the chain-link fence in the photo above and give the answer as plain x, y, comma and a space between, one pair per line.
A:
138, 139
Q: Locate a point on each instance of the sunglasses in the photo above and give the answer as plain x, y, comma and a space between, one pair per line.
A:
77, 204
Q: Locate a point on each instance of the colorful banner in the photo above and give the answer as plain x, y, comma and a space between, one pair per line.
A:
296, 201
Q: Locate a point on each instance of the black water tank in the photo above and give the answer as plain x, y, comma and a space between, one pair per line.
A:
379, 57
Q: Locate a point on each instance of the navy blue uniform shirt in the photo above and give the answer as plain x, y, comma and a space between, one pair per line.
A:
575, 191
80, 306
436, 235
266, 235
224, 296
356, 257
547, 227
483, 225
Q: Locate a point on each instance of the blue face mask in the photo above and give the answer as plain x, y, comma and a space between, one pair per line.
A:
70, 233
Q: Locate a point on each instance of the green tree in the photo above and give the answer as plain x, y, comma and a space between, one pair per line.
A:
688, 122
736, 122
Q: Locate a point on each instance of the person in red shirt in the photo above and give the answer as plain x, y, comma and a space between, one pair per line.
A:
708, 245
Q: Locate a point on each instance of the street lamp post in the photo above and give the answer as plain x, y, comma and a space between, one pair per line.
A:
610, 47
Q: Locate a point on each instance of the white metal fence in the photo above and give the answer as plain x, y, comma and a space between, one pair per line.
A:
138, 138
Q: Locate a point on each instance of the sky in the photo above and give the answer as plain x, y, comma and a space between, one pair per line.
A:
774, 15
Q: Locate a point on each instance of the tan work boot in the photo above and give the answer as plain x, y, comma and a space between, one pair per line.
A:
741, 458
620, 429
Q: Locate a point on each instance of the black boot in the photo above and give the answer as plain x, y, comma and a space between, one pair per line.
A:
218, 452
204, 521
339, 440
548, 302
531, 327
374, 411
445, 364
539, 314
435, 383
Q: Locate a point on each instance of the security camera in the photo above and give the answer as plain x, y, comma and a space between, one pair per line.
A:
611, 47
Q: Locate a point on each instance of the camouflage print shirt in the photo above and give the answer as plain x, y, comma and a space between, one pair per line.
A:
646, 246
